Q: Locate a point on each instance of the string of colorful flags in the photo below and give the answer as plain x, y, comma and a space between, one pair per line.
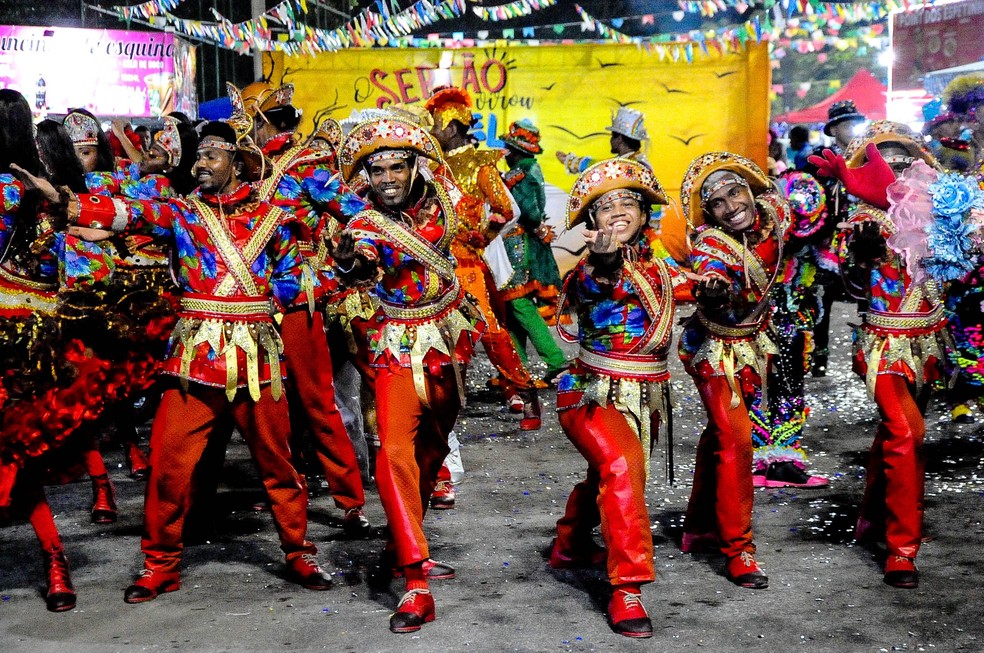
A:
797, 25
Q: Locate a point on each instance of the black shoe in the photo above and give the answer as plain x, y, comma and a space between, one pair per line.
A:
818, 368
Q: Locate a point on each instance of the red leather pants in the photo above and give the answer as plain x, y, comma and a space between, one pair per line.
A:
612, 494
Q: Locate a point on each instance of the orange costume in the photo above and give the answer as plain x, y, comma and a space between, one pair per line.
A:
483, 210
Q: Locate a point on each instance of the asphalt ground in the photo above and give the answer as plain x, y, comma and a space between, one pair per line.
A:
826, 592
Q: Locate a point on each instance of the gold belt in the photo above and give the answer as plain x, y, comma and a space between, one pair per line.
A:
619, 365
17, 280
904, 321
736, 331
227, 308
424, 311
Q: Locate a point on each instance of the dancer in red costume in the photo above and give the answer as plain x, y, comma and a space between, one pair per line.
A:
899, 346
49, 387
725, 346
237, 264
306, 184
613, 398
419, 341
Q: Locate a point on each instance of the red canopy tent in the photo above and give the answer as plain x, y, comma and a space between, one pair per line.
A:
866, 91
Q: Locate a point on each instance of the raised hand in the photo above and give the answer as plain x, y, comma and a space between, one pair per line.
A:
713, 293
867, 243
601, 241
869, 182
32, 182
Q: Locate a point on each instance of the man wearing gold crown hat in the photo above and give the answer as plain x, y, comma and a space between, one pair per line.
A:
484, 209
305, 183
238, 264
899, 346
419, 341
614, 394
740, 223
628, 132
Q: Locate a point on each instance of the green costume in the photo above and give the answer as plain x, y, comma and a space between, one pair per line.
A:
531, 293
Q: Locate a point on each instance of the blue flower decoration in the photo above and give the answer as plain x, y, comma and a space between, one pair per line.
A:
954, 194
949, 240
352, 204
606, 313
288, 188
323, 185
635, 322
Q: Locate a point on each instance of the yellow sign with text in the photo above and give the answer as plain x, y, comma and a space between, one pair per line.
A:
570, 92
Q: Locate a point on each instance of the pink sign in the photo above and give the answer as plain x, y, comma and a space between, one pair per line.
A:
109, 72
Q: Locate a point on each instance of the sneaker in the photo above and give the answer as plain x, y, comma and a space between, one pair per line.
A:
442, 498
627, 616
415, 609
355, 523
743, 571
960, 414
901, 572
789, 474
515, 404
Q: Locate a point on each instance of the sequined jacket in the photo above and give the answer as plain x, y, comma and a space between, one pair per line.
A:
306, 184
736, 337
237, 263
625, 322
424, 320
903, 329
485, 206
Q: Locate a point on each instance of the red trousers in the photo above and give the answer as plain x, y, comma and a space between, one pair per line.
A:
180, 431
895, 480
722, 496
414, 441
311, 397
613, 494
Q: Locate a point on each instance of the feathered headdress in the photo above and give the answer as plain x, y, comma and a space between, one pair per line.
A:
964, 92
450, 103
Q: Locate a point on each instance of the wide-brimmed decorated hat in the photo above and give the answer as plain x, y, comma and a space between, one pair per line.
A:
704, 166
450, 103
523, 136
169, 140
629, 122
838, 112
82, 128
886, 131
264, 96
329, 131
935, 114
381, 134
606, 176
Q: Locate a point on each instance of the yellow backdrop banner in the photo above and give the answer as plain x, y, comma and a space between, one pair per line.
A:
569, 91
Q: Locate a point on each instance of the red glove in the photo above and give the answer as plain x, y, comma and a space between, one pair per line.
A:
869, 183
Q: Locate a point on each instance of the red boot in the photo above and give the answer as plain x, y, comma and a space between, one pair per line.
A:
103, 500
531, 411
61, 595
627, 616
150, 584
415, 609
135, 457
901, 572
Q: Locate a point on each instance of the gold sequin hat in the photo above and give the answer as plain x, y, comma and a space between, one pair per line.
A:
606, 176
329, 131
886, 131
82, 129
373, 136
703, 166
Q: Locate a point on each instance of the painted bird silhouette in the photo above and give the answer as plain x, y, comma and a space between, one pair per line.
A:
726, 73
548, 88
672, 90
606, 65
577, 136
686, 141
624, 104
